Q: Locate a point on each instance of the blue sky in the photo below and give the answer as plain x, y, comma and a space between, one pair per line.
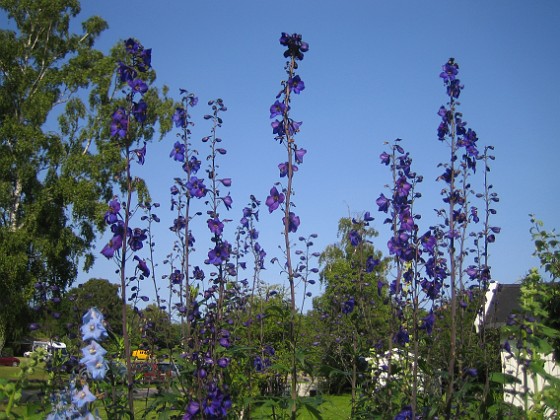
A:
371, 76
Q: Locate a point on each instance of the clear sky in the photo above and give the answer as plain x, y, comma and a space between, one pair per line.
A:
371, 75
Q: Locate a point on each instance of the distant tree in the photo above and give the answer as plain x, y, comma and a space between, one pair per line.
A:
353, 313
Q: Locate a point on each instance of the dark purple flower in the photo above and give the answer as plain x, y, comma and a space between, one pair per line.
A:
402, 187
404, 414
371, 263
474, 214
277, 108
385, 158
139, 110
215, 226
428, 242
119, 123
354, 237
226, 182
293, 222
125, 72
132, 46
278, 128
228, 201
140, 154
111, 216
296, 47
284, 169
192, 166
196, 187
383, 203
192, 410
178, 152
348, 306
223, 362
145, 59
274, 199
428, 322
296, 84
219, 254
180, 118
450, 71
300, 153
138, 86
401, 337
176, 277
142, 266
136, 239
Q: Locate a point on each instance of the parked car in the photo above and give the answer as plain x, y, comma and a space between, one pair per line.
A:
9, 361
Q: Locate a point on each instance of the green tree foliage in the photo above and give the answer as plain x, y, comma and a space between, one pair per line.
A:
54, 185
41, 65
352, 315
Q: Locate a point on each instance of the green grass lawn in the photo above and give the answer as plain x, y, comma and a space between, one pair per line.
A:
333, 407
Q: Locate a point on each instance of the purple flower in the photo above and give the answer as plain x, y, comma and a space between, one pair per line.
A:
139, 110
293, 222
132, 46
277, 108
383, 203
278, 128
192, 166
354, 237
348, 306
450, 71
402, 187
371, 263
428, 322
215, 226
385, 158
119, 123
142, 266
300, 153
196, 187
111, 216
219, 254
178, 152
274, 199
284, 169
404, 414
180, 118
192, 410
176, 277
136, 239
296, 47
227, 201
140, 154
401, 337
296, 84
474, 214
125, 72
145, 59
138, 86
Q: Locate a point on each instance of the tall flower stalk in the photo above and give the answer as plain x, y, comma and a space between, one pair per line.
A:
285, 130
134, 110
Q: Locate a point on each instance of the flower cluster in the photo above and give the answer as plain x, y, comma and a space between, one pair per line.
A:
73, 402
129, 72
